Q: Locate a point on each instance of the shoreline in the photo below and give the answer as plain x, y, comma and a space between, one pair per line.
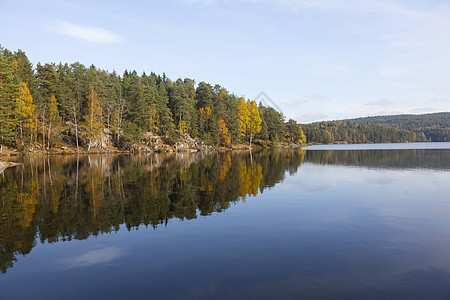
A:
143, 149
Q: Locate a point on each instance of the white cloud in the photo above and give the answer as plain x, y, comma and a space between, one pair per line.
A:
361, 6
427, 109
101, 256
86, 33
311, 117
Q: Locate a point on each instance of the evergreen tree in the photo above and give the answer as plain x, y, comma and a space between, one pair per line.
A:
8, 94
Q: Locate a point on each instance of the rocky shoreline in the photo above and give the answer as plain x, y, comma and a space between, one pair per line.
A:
154, 144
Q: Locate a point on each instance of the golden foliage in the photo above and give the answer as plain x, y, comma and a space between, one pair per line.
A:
250, 178
24, 106
205, 112
255, 120
224, 136
244, 116
182, 128
15, 65
225, 167
27, 204
93, 119
249, 118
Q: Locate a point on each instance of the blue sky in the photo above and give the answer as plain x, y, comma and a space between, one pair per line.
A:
317, 60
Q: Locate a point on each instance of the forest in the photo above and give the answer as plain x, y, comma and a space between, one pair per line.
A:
433, 127
354, 133
50, 105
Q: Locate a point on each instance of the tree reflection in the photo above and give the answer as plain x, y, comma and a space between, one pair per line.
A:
438, 159
62, 198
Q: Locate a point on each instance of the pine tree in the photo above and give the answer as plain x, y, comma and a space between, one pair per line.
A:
8, 94
53, 119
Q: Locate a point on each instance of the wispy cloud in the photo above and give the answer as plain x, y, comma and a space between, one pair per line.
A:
291, 102
303, 100
101, 256
311, 117
421, 110
86, 33
361, 6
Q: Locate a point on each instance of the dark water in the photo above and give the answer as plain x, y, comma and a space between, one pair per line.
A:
326, 224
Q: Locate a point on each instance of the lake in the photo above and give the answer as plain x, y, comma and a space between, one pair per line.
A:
322, 223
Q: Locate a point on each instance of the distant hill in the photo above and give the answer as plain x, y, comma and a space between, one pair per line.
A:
435, 127
382, 129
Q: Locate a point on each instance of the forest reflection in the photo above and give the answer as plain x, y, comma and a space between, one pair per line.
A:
437, 159
60, 198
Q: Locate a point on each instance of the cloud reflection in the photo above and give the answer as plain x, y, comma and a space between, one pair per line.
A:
100, 256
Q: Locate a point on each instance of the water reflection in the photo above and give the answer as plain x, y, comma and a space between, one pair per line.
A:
437, 159
61, 198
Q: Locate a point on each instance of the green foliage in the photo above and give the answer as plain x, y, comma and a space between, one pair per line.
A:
8, 94
342, 132
131, 133
427, 127
294, 132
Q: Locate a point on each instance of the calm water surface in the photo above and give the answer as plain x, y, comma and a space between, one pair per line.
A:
335, 224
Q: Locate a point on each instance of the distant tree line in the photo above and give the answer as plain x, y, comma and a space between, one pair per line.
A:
355, 133
433, 127
51, 103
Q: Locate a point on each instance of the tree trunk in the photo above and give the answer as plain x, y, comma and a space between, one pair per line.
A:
36, 132
251, 137
49, 133
21, 134
76, 130
43, 134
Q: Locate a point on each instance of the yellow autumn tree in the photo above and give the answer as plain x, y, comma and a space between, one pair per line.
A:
182, 128
255, 120
205, 112
249, 119
224, 136
93, 124
243, 115
25, 110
